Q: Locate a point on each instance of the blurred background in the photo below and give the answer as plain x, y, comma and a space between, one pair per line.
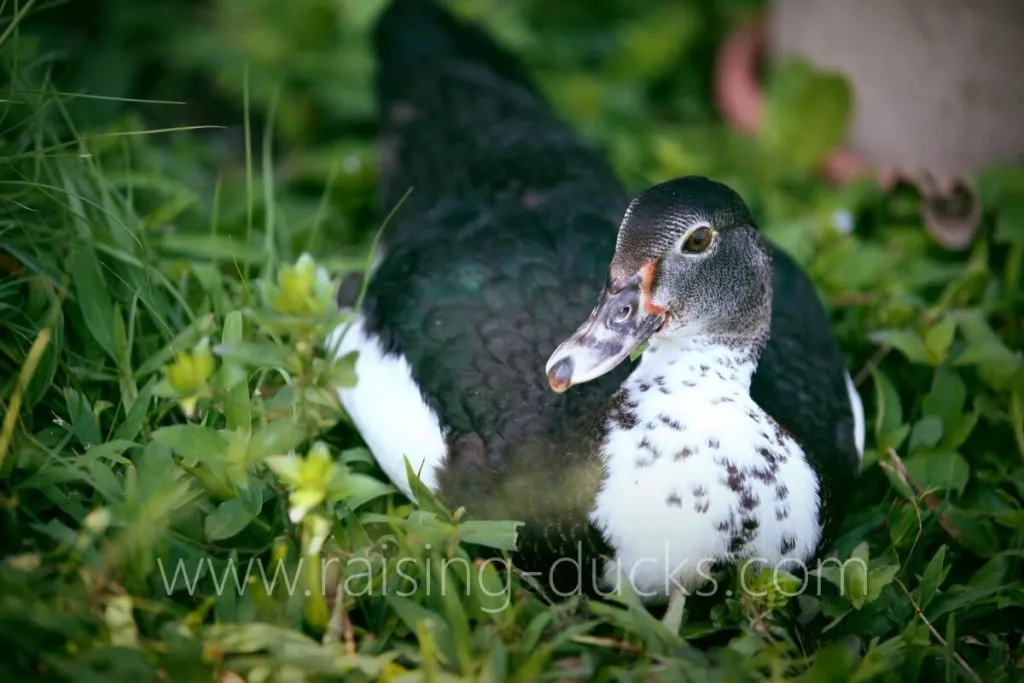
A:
635, 77
756, 92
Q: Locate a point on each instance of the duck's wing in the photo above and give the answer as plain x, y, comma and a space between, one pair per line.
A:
803, 382
493, 257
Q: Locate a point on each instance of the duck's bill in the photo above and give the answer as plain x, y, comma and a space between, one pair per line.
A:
621, 323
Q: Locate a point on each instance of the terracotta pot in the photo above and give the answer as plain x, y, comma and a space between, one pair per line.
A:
950, 207
741, 99
932, 78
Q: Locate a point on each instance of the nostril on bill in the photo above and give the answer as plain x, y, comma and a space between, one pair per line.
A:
622, 314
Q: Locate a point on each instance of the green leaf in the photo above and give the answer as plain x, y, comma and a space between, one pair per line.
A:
424, 526
121, 350
84, 424
985, 349
1010, 222
136, 417
251, 495
111, 450
262, 356
288, 468
993, 574
351, 456
533, 632
355, 490
926, 433
934, 574
856, 268
975, 532
501, 535
237, 409
291, 645
194, 442
91, 291
889, 415
879, 660
946, 398
895, 438
945, 402
454, 609
856, 575
215, 247
830, 663
907, 342
892, 472
957, 598
806, 113
939, 338
654, 41
412, 615
275, 438
958, 430
426, 500
903, 524
624, 608
491, 592
103, 480
879, 578
155, 469
999, 185
941, 470
987, 352
343, 371
229, 519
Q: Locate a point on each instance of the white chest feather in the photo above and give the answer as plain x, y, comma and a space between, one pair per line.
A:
697, 474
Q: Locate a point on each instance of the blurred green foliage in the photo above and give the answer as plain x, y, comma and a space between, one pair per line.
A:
175, 475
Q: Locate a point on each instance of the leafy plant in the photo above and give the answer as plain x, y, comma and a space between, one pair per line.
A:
806, 113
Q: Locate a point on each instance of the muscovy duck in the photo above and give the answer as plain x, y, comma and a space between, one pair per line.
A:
483, 359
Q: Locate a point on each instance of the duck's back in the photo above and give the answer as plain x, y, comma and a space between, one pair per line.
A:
461, 121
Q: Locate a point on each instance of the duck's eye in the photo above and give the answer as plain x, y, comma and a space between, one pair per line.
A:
698, 240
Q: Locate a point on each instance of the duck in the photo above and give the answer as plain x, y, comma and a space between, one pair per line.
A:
645, 382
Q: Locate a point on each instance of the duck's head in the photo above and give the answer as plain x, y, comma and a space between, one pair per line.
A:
689, 263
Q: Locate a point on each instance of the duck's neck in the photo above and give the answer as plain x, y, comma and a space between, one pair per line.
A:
697, 365
677, 376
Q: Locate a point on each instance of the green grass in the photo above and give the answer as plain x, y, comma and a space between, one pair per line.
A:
165, 404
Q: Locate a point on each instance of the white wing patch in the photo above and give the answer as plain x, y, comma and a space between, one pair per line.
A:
858, 415
388, 409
